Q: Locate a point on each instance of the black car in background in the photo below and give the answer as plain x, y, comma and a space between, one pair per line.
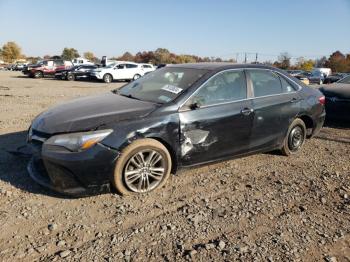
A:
338, 99
334, 78
76, 72
177, 116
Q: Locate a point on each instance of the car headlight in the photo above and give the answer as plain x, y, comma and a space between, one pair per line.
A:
77, 142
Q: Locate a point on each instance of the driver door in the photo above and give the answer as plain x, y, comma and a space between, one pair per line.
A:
120, 72
216, 121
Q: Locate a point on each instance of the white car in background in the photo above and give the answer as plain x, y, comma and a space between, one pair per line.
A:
118, 71
148, 68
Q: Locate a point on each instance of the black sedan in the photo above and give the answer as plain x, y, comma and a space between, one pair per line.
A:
177, 116
76, 72
338, 99
334, 78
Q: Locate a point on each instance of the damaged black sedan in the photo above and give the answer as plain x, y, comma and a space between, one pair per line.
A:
133, 138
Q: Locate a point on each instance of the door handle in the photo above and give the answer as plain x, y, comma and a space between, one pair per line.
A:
247, 111
294, 100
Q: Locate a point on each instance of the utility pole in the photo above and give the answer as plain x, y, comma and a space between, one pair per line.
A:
245, 58
256, 58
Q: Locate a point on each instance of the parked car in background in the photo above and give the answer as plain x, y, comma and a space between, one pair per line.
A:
76, 72
334, 78
338, 99
295, 72
118, 71
316, 77
179, 116
304, 77
148, 68
81, 61
48, 68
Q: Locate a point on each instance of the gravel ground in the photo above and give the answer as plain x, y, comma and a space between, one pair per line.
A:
265, 207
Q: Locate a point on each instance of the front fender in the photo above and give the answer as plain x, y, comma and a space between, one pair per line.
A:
164, 128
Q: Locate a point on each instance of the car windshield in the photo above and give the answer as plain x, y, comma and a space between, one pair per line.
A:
345, 80
163, 85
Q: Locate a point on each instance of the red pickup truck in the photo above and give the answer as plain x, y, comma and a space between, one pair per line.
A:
48, 68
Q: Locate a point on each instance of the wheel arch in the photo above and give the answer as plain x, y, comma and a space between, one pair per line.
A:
171, 151
309, 123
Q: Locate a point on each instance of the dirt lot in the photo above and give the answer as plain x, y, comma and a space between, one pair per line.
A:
265, 207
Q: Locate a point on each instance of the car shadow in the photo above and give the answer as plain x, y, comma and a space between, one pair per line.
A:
14, 157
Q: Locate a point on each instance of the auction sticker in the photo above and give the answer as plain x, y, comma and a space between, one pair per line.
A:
172, 89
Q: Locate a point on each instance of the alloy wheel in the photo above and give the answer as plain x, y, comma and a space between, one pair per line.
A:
144, 171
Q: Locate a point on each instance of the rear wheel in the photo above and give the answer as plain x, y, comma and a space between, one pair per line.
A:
107, 78
295, 137
142, 167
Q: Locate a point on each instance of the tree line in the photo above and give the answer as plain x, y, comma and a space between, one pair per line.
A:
337, 61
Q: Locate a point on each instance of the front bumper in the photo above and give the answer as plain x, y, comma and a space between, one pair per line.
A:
76, 174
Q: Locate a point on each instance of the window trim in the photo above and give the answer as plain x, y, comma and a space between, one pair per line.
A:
181, 109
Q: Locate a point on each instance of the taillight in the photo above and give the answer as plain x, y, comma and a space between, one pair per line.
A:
322, 100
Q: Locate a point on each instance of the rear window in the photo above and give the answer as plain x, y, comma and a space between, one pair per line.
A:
265, 83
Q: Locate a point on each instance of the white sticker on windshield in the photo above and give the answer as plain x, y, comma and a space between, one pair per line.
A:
172, 89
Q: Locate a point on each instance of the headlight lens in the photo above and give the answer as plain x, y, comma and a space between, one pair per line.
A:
77, 142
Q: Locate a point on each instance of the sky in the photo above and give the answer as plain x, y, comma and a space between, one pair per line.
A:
214, 28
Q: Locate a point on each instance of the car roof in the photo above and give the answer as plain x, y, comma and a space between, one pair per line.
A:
219, 66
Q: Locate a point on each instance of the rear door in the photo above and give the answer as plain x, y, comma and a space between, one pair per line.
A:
216, 121
276, 103
131, 70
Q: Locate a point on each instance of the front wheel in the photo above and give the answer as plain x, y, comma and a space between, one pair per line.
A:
70, 77
143, 166
107, 78
295, 137
38, 74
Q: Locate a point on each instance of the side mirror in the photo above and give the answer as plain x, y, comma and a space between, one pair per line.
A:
194, 106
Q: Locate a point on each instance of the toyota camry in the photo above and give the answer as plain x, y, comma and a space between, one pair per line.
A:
131, 139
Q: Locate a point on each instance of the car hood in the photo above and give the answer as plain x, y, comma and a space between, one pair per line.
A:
88, 113
336, 90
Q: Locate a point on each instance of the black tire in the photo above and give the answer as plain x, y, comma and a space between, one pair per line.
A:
295, 138
125, 161
38, 74
70, 77
137, 76
107, 78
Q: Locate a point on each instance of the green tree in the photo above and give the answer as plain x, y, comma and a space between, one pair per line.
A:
11, 52
89, 56
69, 53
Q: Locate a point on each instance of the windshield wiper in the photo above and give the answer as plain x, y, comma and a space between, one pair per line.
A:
129, 96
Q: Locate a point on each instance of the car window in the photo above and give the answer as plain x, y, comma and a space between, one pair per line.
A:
265, 83
227, 86
131, 66
146, 66
121, 66
286, 86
